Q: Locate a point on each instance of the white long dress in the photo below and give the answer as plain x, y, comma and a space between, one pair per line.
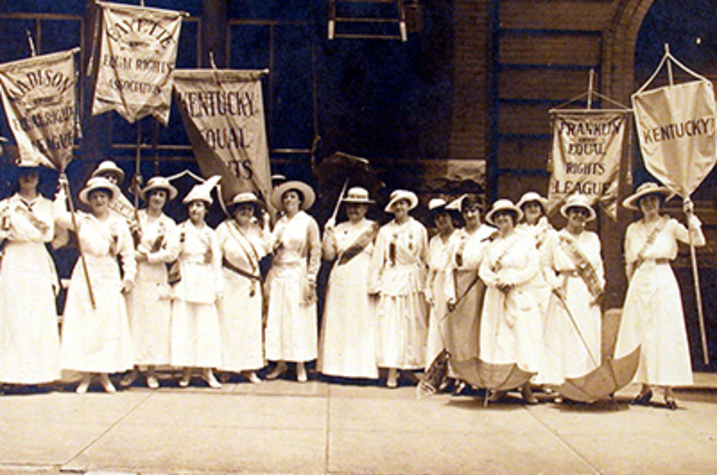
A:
149, 304
97, 340
241, 307
461, 327
348, 336
439, 255
291, 323
652, 316
544, 236
195, 337
29, 335
507, 319
567, 355
398, 273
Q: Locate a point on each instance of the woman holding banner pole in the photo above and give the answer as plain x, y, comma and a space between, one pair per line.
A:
652, 316
95, 331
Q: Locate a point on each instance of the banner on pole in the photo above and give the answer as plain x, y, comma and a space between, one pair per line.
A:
676, 130
586, 152
223, 113
138, 52
40, 99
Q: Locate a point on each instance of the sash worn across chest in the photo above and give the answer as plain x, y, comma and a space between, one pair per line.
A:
584, 268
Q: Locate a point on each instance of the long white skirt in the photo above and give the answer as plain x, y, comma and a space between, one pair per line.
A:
652, 317
96, 340
567, 354
240, 322
348, 336
402, 331
196, 340
291, 327
506, 332
29, 335
149, 309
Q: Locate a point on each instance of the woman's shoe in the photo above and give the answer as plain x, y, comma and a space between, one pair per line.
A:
642, 399
279, 369
84, 384
208, 377
253, 378
106, 384
186, 378
301, 375
129, 378
152, 382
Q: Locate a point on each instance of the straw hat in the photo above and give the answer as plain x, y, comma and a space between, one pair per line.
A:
158, 183
98, 183
532, 197
202, 191
245, 198
358, 195
578, 201
437, 204
300, 186
649, 188
503, 205
109, 167
398, 195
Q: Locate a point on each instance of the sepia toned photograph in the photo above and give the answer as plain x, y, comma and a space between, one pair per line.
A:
358, 237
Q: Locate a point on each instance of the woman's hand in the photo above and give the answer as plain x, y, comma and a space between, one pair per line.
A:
310, 293
127, 286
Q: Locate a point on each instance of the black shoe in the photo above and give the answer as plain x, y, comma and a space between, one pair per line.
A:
642, 399
671, 404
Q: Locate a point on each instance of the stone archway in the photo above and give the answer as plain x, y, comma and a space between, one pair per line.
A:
619, 42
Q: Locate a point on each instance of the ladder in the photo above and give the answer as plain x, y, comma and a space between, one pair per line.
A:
367, 19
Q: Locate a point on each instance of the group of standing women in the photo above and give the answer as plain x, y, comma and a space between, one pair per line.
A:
148, 292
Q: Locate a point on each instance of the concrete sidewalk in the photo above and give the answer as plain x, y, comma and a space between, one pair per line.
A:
286, 427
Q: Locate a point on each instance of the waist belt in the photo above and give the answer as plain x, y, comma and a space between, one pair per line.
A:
239, 271
569, 273
660, 261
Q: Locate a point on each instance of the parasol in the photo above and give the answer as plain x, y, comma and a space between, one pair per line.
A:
606, 379
340, 171
495, 376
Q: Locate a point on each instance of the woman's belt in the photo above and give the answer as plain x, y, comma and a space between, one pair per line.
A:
569, 273
659, 261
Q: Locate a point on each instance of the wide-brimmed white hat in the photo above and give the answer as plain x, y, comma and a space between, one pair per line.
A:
649, 188
398, 195
202, 191
437, 204
245, 198
158, 183
109, 167
300, 186
357, 195
578, 201
532, 197
503, 205
98, 183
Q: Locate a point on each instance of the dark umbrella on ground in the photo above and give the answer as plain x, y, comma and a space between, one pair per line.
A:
609, 377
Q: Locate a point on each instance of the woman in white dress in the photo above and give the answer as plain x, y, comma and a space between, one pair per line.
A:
291, 323
149, 304
348, 339
510, 308
573, 327
95, 330
439, 247
241, 310
652, 317
195, 335
398, 274
29, 335
464, 289
535, 225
